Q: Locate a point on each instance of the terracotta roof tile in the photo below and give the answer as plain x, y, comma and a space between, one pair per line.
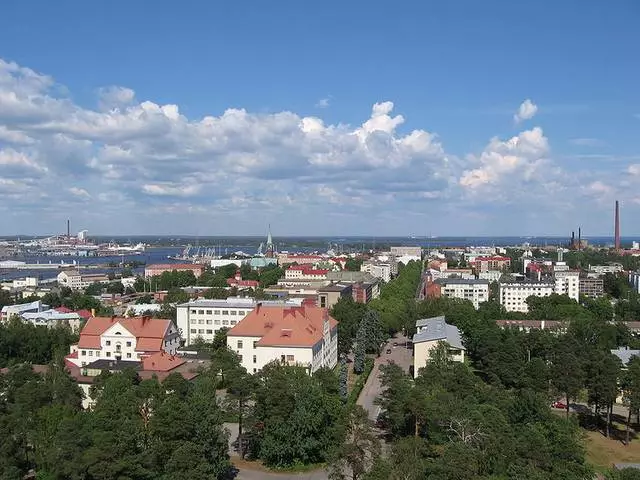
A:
284, 326
161, 362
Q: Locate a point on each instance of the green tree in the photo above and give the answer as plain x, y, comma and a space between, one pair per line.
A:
631, 391
566, 371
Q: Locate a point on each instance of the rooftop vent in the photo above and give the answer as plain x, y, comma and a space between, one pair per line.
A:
285, 332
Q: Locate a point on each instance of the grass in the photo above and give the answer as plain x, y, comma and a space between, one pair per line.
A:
603, 452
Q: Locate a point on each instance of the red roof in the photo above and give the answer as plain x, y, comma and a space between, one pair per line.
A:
284, 326
161, 362
63, 309
308, 271
175, 266
149, 333
242, 283
86, 314
493, 259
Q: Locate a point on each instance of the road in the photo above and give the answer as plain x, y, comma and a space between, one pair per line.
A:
400, 355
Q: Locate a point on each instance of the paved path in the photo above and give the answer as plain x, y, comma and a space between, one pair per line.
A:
401, 355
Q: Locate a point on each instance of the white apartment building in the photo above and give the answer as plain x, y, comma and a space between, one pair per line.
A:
202, 318
567, 282
76, 281
409, 251
305, 272
378, 270
53, 318
491, 275
476, 291
117, 338
513, 296
604, 269
27, 282
305, 336
634, 281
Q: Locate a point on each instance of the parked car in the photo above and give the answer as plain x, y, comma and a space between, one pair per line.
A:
558, 404
388, 350
395, 344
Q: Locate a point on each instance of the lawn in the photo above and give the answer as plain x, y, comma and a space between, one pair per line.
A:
603, 452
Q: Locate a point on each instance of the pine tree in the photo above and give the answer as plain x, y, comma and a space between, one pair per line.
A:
359, 350
344, 376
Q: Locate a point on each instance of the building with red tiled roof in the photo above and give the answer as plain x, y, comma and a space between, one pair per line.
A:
484, 264
117, 338
305, 335
305, 272
238, 282
159, 269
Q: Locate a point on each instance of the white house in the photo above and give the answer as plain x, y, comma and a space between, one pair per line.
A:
431, 331
306, 336
476, 291
27, 282
34, 307
304, 272
117, 338
202, 318
71, 279
513, 295
567, 282
377, 269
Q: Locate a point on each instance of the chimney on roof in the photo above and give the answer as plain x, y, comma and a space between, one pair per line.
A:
113, 318
93, 312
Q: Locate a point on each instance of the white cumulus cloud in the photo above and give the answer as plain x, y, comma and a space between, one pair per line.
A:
526, 111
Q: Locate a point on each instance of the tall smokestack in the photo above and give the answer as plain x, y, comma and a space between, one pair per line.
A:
68, 229
617, 226
573, 239
579, 238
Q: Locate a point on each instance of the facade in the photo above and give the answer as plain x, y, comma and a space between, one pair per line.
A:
604, 269
53, 318
202, 318
594, 287
377, 269
159, 269
238, 282
328, 296
491, 275
223, 262
285, 258
430, 331
10, 310
27, 282
528, 325
409, 251
476, 291
306, 336
305, 273
634, 281
567, 282
74, 280
482, 264
127, 339
364, 292
513, 296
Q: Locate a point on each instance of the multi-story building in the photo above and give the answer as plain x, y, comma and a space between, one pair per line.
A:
431, 331
75, 280
567, 282
491, 275
330, 295
306, 336
591, 286
9, 311
364, 292
634, 280
476, 291
604, 269
27, 282
528, 325
285, 258
513, 295
53, 318
377, 269
305, 273
482, 264
159, 269
202, 318
238, 282
119, 338
409, 251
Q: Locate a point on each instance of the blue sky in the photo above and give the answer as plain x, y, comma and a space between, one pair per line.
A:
330, 118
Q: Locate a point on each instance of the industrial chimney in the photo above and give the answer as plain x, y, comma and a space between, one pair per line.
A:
617, 227
68, 229
579, 238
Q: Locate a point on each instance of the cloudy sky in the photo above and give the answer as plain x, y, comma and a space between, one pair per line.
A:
337, 118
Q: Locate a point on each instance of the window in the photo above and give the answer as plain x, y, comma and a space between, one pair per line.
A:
282, 358
193, 330
108, 354
128, 344
234, 312
84, 363
217, 322
289, 358
209, 332
91, 353
233, 322
255, 359
209, 322
225, 322
108, 342
83, 353
194, 311
216, 312
225, 312
193, 320
201, 330
128, 355
255, 343
254, 370
200, 312
201, 322
239, 344
208, 312
240, 312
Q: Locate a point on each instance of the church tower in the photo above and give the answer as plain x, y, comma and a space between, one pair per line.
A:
270, 250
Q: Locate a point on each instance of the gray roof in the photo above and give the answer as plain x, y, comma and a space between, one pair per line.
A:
625, 355
463, 281
437, 329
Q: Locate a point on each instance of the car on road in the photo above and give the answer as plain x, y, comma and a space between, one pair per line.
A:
395, 344
388, 350
558, 404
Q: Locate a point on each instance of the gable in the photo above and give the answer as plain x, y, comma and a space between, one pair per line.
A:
117, 330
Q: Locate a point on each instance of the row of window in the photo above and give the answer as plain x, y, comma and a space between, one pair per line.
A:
240, 344
216, 322
83, 353
217, 312
108, 343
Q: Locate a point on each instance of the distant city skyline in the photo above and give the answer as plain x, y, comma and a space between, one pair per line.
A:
338, 118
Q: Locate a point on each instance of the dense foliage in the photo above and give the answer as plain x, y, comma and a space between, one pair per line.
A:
24, 342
